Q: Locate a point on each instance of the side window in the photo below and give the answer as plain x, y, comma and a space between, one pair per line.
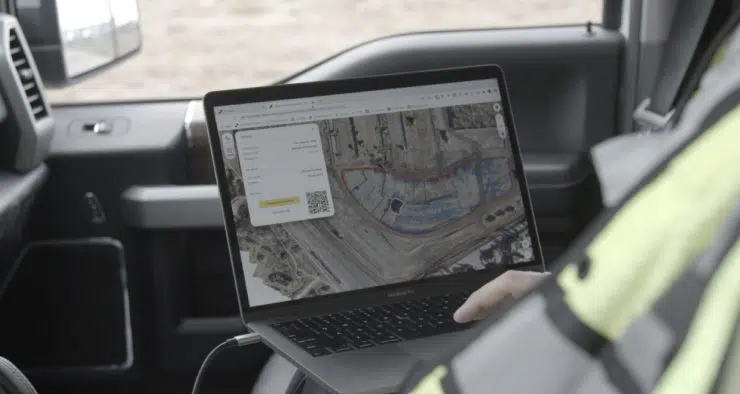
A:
192, 46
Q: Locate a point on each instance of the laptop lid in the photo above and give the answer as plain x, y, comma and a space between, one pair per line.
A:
342, 194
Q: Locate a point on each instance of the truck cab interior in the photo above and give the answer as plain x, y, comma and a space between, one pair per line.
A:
114, 271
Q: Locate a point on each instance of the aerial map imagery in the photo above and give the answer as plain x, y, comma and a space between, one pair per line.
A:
415, 194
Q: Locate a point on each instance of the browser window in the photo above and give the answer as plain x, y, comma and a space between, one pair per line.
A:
350, 191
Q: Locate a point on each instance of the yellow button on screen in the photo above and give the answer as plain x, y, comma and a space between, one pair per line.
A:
279, 202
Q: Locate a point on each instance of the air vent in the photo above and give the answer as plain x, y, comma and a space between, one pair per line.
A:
27, 76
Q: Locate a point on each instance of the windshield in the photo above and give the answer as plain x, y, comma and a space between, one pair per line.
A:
193, 46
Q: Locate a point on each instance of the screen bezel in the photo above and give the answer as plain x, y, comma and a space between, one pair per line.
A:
369, 296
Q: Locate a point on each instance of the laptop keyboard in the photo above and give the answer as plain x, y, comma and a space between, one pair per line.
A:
375, 325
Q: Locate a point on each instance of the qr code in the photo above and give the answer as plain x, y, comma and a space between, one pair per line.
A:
318, 202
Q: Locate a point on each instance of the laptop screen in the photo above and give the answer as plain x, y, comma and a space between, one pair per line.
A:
351, 191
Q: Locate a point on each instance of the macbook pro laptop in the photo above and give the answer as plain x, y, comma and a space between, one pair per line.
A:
361, 213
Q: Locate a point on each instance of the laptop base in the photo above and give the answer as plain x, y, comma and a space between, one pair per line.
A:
376, 370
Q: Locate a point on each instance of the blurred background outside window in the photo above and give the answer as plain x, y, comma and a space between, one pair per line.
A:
193, 46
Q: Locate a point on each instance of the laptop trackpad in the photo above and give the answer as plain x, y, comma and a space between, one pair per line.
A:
432, 348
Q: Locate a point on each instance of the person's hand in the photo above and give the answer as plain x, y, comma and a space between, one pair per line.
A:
511, 284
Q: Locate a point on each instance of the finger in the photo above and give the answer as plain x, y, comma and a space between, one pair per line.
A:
526, 281
511, 284
486, 311
485, 298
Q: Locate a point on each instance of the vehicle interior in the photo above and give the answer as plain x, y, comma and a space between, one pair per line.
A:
114, 271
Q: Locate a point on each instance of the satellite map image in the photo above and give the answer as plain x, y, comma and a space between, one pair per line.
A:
416, 194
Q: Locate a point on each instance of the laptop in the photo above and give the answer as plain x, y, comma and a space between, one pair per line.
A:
361, 213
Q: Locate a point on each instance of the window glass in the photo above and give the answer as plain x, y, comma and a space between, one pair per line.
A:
193, 46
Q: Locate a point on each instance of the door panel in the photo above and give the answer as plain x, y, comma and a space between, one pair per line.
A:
154, 180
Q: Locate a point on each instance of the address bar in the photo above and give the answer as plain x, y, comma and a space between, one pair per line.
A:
328, 106
295, 111
342, 105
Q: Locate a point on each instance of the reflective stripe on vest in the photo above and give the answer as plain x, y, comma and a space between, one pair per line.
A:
432, 383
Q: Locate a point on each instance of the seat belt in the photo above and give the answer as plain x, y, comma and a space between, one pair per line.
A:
689, 22
693, 81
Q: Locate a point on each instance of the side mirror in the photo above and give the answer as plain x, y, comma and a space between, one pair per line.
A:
73, 39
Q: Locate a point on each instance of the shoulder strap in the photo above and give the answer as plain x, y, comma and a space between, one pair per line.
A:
689, 22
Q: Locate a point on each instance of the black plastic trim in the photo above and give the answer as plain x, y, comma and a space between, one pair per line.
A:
18, 195
17, 188
115, 367
611, 14
172, 207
